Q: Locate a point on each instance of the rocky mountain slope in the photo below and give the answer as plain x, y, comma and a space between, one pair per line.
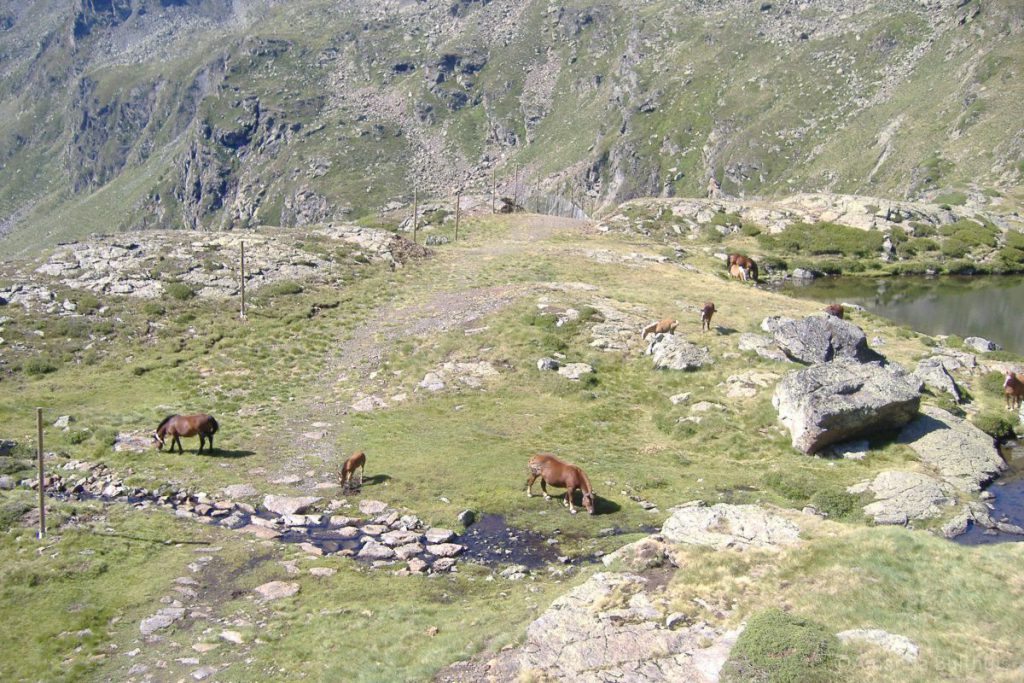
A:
217, 113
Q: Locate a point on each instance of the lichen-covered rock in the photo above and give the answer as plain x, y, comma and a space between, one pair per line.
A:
819, 339
964, 455
729, 526
903, 496
674, 353
289, 505
844, 399
932, 371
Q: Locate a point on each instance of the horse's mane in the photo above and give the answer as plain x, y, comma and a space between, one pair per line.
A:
164, 422
586, 480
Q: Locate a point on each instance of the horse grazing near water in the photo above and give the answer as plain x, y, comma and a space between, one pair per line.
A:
660, 327
559, 473
1013, 389
358, 460
745, 267
705, 315
835, 310
177, 426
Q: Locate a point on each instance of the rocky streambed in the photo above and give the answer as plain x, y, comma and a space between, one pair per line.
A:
369, 531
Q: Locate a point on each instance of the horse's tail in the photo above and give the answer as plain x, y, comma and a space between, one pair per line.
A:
213, 425
164, 422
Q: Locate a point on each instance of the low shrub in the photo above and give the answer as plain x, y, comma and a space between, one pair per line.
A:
782, 648
954, 248
795, 486
153, 308
181, 291
39, 365
282, 288
836, 502
996, 425
824, 238
954, 198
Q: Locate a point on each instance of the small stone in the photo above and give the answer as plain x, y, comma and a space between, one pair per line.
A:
204, 673
443, 564
548, 364
322, 572
232, 637
372, 507
286, 505
416, 565
312, 549
438, 535
404, 552
374, 550
445, 549
63, 422
275, 590
240, 491
466, 518
679, 398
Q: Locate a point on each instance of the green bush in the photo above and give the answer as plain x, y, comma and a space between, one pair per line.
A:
996, 425
750, 229
1014, 239
86, 302
924, 229
954, 248
1011, 257
971, 233
80, 436
39, 365
153, 308
282, 288
824, 238
836, 502
795, 486
782, 648
181, 291
920, 244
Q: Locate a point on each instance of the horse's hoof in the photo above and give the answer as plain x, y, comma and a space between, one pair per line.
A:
572, 512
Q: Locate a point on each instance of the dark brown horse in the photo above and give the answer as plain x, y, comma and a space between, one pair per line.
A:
746, 267
660, 327
358, 460
177, 426
705, 315
835, 310
1013, 389
559, 473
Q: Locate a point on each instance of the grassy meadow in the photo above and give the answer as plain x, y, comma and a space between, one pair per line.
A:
307, 353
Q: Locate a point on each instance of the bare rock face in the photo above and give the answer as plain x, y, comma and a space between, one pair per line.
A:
819, 339
673, 353
844, 399
274, 590
608, 629
932, 371
964, 455
901, 497
287, 505
729, 526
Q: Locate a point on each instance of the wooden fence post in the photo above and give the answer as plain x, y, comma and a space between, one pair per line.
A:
458, 212
415, 216
494, 185
42, 489
242, 278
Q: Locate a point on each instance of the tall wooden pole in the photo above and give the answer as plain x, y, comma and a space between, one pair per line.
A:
242, 273
42, 489
515, 189
458, 212
494, 184
415, 216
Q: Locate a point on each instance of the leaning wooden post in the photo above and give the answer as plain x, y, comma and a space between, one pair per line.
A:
494, 185
415, 216
42, 489
242, 278
515, 190
458, 212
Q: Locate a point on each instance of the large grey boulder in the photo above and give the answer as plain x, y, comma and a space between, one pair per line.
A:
964, 455
289, 505
819, 339
981, 345
762, 346
673, 353
837, 401
729, 526
903, 496
932, 371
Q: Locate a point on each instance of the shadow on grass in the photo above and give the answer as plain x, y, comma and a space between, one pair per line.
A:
373, 480
224, 453
603, 506
725, 330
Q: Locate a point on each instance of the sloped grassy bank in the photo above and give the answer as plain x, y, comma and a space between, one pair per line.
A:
283, 385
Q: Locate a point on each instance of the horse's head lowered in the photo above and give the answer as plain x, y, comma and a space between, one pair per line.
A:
588, 502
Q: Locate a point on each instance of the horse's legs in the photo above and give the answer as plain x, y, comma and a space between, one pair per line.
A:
202, 440
529, 484
210, 437
177, 440
568, 499
362, 471
544, 488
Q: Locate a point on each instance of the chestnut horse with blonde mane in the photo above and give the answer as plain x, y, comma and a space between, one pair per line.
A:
177, 426
745, 267
559, 473
357, 461
1013, 389
660, 327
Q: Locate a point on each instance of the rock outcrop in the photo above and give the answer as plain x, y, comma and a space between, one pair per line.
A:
819, 339
837, 401
964, 455
729, 526
932, 371
674, 353
905, 496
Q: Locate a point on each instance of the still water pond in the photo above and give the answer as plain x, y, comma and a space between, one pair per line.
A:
982, 306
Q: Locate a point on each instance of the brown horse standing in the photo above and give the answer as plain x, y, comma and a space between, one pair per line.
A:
358, 460
177, 426
835, 310
1013, 389
559, 473
660, 327
705, 315
746, 267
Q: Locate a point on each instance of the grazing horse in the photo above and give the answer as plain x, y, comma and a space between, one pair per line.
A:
1013, 389
747, 268
660, 327
835, 310
705, 315
559, 473
177, 426
358, 460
